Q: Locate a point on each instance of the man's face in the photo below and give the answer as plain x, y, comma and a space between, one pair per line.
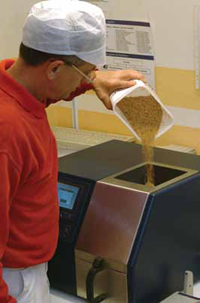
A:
64, 79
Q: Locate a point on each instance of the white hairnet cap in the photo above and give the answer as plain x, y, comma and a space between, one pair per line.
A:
67, 27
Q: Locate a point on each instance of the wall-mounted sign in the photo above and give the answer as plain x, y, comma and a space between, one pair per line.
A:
129, 45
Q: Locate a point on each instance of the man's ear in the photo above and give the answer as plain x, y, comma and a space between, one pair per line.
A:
53, 68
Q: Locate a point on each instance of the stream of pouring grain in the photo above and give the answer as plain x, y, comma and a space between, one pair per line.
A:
144, 115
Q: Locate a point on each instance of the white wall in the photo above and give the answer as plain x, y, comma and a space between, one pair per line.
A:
12, 17
173, 27
172, 22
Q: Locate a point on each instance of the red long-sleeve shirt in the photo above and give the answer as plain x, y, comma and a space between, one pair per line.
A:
29, 210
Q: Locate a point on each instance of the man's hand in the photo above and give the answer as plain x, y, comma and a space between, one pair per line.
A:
106, 82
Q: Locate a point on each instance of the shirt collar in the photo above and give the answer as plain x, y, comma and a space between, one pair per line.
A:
18, 92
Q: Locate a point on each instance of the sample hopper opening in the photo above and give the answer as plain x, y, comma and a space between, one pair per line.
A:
161, 174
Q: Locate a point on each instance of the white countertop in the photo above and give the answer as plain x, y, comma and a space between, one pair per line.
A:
62, 151
61, 297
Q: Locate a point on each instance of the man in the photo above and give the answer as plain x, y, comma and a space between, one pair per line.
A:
63, 42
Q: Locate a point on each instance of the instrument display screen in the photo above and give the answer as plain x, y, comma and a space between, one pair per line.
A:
67, 195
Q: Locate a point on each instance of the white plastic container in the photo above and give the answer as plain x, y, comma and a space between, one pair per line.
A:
140, 89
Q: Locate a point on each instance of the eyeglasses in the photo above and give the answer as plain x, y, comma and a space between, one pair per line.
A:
90, 76
87, 77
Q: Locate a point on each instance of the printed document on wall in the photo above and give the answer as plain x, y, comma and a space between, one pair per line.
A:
130, 45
